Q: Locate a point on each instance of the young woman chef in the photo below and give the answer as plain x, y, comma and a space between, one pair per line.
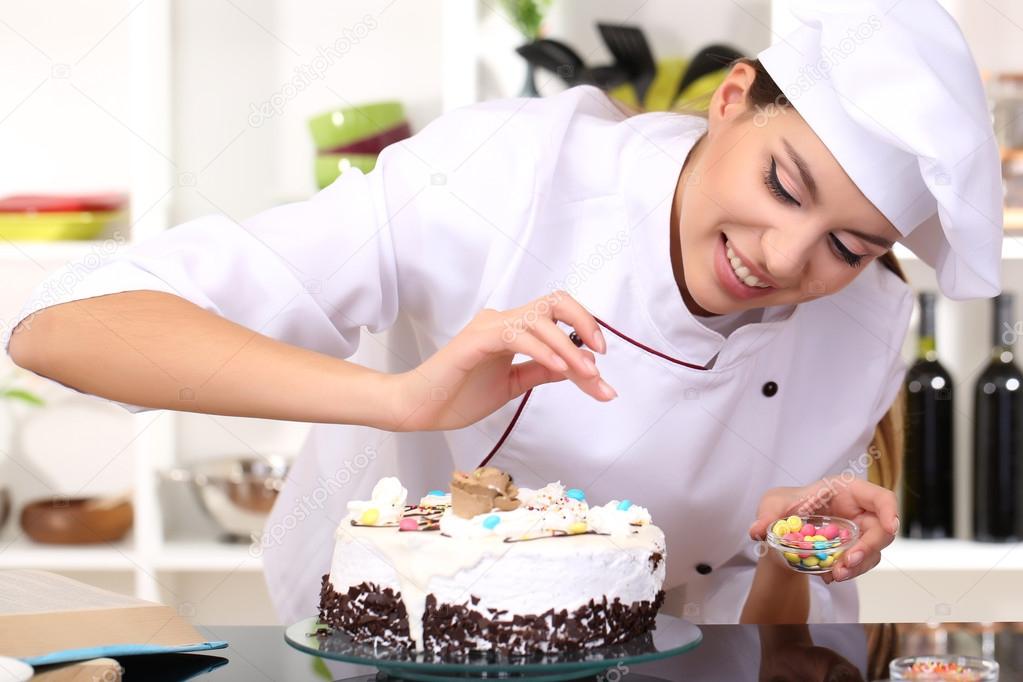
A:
703, 313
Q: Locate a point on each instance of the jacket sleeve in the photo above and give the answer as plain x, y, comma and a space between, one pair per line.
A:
424, 232
309, 273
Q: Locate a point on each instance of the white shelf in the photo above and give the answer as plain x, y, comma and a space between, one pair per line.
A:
205, 555
24, 553
187, 555
49, 253
963, 556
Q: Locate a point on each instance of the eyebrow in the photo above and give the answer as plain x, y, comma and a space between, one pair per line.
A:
872, 238
804, 173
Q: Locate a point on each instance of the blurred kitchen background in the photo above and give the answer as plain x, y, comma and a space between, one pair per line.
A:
120, 118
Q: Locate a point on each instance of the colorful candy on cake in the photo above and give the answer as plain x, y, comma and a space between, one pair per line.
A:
490, 566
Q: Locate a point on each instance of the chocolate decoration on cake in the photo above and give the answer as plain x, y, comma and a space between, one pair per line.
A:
484, 490
427, 518
372, 616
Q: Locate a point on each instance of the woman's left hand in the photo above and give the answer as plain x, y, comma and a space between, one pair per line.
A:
873, 508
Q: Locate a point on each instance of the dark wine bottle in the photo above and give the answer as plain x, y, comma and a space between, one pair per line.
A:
927, 490
998, 446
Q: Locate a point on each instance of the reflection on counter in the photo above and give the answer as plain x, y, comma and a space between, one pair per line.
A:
728, 653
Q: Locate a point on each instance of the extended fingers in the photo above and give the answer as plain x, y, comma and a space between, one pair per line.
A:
881, 502
866, 553
579, 360
537, 348
566, 309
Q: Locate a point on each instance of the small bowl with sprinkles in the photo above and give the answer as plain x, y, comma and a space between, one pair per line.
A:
946, 667
812, 544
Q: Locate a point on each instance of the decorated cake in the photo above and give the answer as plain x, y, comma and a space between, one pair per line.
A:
488, 566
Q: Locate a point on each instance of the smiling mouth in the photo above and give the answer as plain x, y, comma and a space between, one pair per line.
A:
741, 271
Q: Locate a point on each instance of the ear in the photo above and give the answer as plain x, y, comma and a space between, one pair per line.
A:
729, 101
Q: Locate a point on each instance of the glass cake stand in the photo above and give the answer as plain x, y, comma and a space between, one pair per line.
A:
671, 637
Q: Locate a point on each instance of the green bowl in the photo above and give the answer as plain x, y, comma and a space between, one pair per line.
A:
56, 226
330, 166
338, 127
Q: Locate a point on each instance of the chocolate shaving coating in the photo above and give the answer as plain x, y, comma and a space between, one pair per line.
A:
655, 560
370, 615
366, 612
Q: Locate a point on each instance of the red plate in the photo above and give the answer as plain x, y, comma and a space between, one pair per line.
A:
374, 144
62, 203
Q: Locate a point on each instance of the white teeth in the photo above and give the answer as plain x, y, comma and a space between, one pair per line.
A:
741, 270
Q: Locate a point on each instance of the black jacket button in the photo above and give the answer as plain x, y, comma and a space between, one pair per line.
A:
770, 388
703, 569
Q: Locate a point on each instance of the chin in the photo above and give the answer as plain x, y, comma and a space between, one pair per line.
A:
711, 301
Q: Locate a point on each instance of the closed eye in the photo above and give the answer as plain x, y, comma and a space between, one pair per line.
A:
774, 185
844, 253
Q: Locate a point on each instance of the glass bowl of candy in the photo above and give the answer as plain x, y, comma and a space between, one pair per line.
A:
812, 544
948, 667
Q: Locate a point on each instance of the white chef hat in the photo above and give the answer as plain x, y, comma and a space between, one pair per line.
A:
892, 90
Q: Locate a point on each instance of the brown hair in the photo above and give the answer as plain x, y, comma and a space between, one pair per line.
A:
886, 447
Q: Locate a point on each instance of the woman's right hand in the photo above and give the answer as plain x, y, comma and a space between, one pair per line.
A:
473, 375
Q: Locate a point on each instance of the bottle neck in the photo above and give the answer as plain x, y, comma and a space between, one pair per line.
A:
1003, 334
926, 347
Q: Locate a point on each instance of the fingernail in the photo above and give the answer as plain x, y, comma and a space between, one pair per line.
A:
854, 558
606, 389
601, 344
590, 364
896, 526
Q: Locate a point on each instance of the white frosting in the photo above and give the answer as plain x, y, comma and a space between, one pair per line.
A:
611, 520
388, 498
528, 577
514, 524
435, 500
547, 511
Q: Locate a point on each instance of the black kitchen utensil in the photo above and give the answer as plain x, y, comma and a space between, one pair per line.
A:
707, 60
560, 59
632, 55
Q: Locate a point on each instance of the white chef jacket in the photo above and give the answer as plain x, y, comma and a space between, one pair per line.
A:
494, 205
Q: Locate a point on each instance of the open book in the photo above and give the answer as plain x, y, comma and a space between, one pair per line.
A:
46, 618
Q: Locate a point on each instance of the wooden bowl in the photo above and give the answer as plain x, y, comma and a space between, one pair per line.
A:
76, 521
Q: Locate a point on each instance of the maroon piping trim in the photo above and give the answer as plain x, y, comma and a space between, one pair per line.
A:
648, 349
507, 430
515, 417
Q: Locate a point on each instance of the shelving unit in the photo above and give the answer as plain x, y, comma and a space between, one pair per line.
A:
152, 557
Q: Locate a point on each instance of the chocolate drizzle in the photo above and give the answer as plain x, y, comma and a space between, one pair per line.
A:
428, 518
370, 615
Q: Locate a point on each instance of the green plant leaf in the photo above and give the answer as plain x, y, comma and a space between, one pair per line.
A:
23, 395
527, 15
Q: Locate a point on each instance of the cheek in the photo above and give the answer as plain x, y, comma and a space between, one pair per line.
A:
829, 275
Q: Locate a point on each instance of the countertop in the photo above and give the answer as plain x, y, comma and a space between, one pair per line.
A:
727, 652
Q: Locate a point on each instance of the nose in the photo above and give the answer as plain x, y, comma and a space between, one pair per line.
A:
787, 252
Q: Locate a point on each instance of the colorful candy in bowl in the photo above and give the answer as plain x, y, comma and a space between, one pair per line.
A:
945, 667
812, 544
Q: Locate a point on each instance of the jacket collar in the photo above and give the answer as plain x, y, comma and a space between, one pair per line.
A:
652, 161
